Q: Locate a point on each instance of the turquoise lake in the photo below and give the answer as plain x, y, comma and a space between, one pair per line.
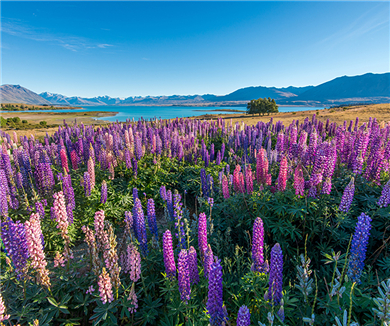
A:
167, 112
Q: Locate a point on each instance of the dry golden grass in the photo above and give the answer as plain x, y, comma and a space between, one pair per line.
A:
51, 118
379, 111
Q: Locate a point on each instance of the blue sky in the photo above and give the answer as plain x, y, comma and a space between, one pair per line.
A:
126, 49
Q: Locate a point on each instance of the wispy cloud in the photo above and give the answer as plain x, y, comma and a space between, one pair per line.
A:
69, 42
358, 28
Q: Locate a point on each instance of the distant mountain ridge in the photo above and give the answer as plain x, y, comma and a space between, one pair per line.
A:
371, 88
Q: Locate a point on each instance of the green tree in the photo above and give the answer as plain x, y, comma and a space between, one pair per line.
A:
262, 106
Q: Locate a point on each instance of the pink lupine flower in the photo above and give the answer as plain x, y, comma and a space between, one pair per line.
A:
62, 220
59, 260
249, 179
3, 315
236, 178
35, 249
101, 234
133, 263
225, 187
299, 181
74, 160
91, 171
282, 180
133, 300
105, 287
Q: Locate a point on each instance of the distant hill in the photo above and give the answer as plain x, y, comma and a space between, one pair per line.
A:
19, 94
364, 88
369, 88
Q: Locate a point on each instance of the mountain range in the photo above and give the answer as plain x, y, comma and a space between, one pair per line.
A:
367, 88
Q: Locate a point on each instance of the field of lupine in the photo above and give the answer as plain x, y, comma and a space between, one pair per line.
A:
189, 222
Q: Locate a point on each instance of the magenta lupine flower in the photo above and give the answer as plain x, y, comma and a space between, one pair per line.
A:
244, 316
215, 296
249, 179
64, 160
91, 171
347, 198
236, 179
241, 183
87, 184
105, 287
169, 258
225, 187
193, 265
152, 219
35, 249
299, 181
184, 276
258, 246
208, 261
282, 179
103, 194
74, 160
384, 199
202, 235
276, 275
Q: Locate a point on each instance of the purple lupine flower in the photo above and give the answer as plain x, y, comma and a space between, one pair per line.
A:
14, 239
3, 200
193, 265
208, 261
103, 193
202, 235
170, 203
39, 208
258, 247
359, 248
244, 316
87, 184
184, 276
138, 146
140, 225
280, 313
204, 183
135, 168
384, 199
163, 193
129, 222
276, 275
347, 198
179, 224
215, 296
152, 218
210, 201
53, 214
169, 258
225, 187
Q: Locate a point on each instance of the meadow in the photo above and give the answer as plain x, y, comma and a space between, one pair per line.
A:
197, 222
